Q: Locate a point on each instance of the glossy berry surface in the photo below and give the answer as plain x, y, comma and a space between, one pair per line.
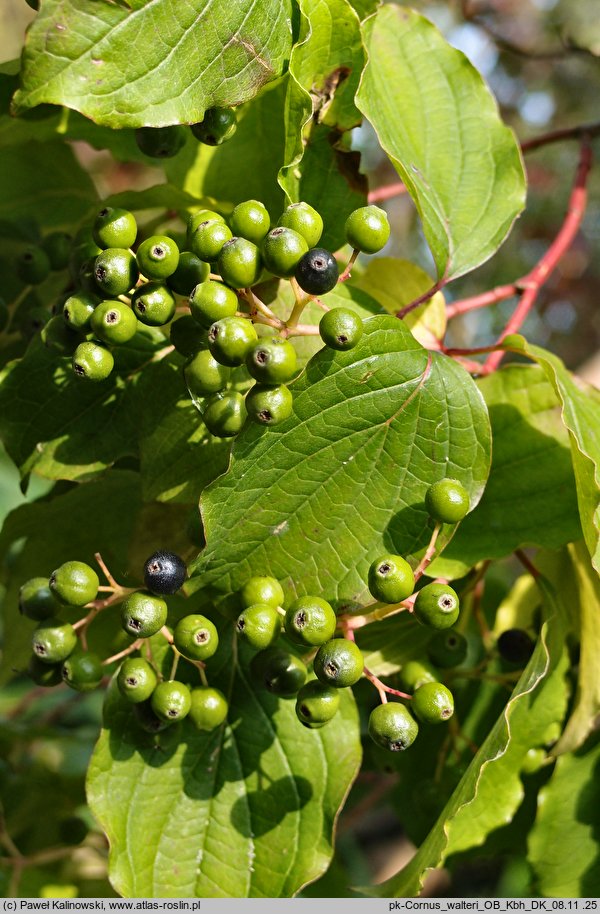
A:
191, 271
157, 257
57, 246
217, 126
262, 590
280, 671
204, 375
115, 271
53, 640
36, 600
447, 649
196, 637
269, 404
391, 579
143, 614
367, 229
317, 272
415, 673
304, 219
171, 701
164, 572
250, 220
310, 621
433, 703
340, 329
447, 501
339, 663
201, 215
259, 626
153, 304
437, 605
33, 266
92, 361
317, 703
114, 228
515, 646
211, 301
208, 238
392, 727
231, 339
225, 414
208, 708
161, 142
282, 250
240, 263
82, 671
114, 322
74, 583
44, 674
272, 360
136, 679
78, 309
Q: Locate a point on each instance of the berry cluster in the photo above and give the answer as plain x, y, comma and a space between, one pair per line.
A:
216, 127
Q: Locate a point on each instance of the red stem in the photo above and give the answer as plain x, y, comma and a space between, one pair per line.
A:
387, 192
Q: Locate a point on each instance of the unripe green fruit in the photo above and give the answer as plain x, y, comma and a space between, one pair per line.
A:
114, 228
317, 703
447, 501
53, 640
392, 726
339, 663
230, 340
281, 672
217, 126
367, 229
36, 600
211, 301
240, 263
115, 271
82, 671
391, 579
259, 626
303, 219
250, 220
272, 360
201, 215
204, 375
148, 720
136, 679
282, 250
311, 621
437, 605
114, 322
74, 583
208, 709
447, 649
433, 703
78, 309
44, 674
189, 273
269, 404
171, 701
225, 414
154, 304
86, 279
208, 238
33, 266
57, 246
340, 329
262, 590
187, 336
32, 320
157, 257
56, 335
161, 142
92, 361
143, 614
415, 673
196, 637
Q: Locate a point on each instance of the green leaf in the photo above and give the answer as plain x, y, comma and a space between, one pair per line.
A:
388, 644
530, 498
165, 196
386, 412
247, 810
122, 67
439, 124
563, 845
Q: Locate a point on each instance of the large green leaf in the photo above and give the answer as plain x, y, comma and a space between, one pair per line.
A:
246, 810
155, 63
439, 124
563, 845
316, 498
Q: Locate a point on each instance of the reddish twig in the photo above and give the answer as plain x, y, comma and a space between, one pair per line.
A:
387, 192
579, 132
422, 298
483, 300
527, 563
382, 688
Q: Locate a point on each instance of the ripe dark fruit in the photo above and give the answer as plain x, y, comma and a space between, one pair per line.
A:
92, 361
164, 572
339, 663
392, 727
310, 621
447, 501
367, 229
143, 614
304, 219
53, 640
74, 583
437, 605
225, 414
114, 322
217, 126
33, 266
259, 626
250, 220
282, 250
433, 703
161, 142
340, 329
136, 679
171, 701
281, 672
269, 404
240, 263
211, 301
157, 257
208, 708
153, 304
317, 272
73, 830
262, 590
447, 649
204, 375
391, 579
196, 637
317, 703
191, 271
82, 671
114, 228
231, 339
272, 361
36, 600
115, 271
515, 646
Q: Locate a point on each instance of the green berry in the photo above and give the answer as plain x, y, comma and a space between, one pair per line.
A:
36, 600
533, 761
259, 626
33, 265
92, 361
217, 126
171, 701
250, 220
154, 304
272, 360
143, 614
147, 719
339, 663
82, 671
208, 238
196, 637
437, 605
392, 727
114, 228
310, 621
201, 215
72, 831
515, 646
136, 679
447, 501
208, 709
240, 263
367, 229
189, 273
230, 339
225, 414
317, 703
303, 219
86, 278
391, 579
317, 272
415, 673
432, 703
161, 142
44, 674
447, 649
53, 640
340, 329
56, 335
282, 250
74, 583
187, 336
78, 309
262, 590
157, 257
115, 271
114, 322
281, 672
269, 404
211, 301
204, 375
57, 246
